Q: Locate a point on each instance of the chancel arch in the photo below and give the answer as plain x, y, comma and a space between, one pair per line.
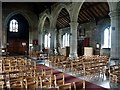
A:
17, 35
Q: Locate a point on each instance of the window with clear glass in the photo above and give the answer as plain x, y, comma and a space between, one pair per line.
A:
13, 27
65, 40
47, 41
107, 38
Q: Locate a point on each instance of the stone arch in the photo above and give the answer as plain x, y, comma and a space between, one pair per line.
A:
56, 13
18, 12
42, 21
112, 6
8, 18
75, 10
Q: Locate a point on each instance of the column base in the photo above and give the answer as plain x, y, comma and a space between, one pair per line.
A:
73, 56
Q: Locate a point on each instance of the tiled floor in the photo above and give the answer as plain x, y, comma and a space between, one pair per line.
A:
104, 82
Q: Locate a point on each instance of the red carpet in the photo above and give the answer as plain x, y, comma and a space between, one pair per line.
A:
70, 79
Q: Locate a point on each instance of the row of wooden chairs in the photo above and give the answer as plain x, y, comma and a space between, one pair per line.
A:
27, 75
43, 81
115, 73
14, 67
88, 65
32, 83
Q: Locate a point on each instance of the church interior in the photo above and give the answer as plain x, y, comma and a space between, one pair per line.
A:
60, 45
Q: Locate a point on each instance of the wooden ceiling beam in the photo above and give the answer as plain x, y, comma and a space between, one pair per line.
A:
80, 18
62, 15
94, 12
92, 5
106, 9
101, 10
87, 14
65, 21
62, 21
83, 16
98, 12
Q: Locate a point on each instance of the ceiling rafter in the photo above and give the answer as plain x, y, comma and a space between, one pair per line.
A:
63, 14
98, 11
90, 5
101, 9
62, 21
88, 15
105, 7
82, 16
80, 19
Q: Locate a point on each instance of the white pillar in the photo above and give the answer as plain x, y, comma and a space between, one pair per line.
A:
73, 40
115, 35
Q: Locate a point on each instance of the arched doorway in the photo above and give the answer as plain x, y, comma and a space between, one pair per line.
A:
17, 35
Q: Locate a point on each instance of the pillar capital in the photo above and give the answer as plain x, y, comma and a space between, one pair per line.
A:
75, 23
114, 13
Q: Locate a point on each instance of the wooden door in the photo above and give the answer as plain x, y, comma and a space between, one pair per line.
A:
16, 47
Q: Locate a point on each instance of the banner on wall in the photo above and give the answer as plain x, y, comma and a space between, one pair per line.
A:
86, 42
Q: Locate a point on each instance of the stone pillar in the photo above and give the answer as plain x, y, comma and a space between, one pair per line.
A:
55, 38
41, 40
59, 42
60, 37
115, 36
52, 40
73, 40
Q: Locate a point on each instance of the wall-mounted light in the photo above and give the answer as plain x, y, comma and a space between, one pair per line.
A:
30, 44
97, 46
3, 51
23, 43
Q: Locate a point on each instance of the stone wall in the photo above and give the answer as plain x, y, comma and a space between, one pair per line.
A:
29, 16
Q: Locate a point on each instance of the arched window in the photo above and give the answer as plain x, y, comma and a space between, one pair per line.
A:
65, 40
47, 41
107, 38
13, 27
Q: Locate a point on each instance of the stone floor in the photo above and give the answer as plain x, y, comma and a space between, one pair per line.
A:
104, 82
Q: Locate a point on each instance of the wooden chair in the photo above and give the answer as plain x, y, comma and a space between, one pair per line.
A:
31, 82
115, 73
47, 71
1, 65
65, 87
16, 83
2, 83
59, 79
38, 72
45, 81
79, 85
